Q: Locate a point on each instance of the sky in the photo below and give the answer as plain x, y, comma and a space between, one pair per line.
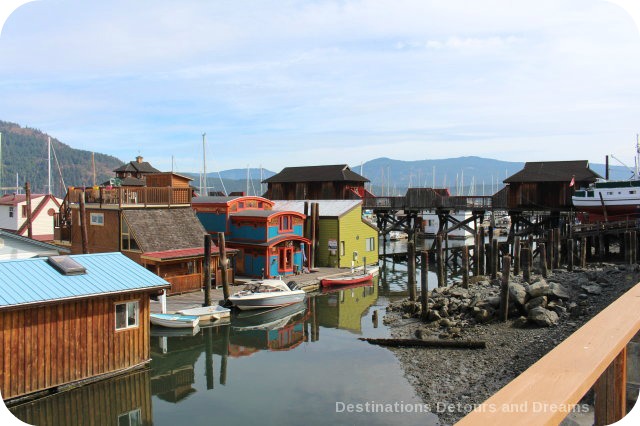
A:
291, 83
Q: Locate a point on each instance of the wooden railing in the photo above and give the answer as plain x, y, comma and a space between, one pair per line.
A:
184, 283
593, 356
127, 196
427, 203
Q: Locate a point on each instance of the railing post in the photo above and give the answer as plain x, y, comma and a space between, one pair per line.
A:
611, 392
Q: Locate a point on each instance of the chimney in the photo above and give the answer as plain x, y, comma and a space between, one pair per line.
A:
139, 159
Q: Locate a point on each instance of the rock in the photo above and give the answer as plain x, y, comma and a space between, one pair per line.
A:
603, 281
560, 310
444, 322
518, 293
536, 302
482, 316
543, 317
538, 289
434, 316
558, 291
592, 289
493, 301
520, 322
410, 307
459, 292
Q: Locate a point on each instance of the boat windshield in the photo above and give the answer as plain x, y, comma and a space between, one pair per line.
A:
262, 288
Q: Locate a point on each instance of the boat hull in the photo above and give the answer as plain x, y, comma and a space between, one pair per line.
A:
207, 313
347, 280
174, 320
250, 302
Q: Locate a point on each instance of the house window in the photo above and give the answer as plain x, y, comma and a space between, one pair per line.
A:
370, 244
286, 224
97, 219
24, 211
632, 192
342, 248
241, 205
128, 241
132, 418
127, 315
10, 211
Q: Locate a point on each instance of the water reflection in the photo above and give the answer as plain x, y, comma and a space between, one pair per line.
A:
274, 359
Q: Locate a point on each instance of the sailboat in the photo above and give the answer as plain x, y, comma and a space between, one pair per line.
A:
613, 198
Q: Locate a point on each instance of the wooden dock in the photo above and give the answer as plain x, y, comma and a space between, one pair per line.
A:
308, 282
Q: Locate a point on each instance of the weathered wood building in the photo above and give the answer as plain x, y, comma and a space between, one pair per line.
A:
14, 215
334, 182
548, 185
84, 319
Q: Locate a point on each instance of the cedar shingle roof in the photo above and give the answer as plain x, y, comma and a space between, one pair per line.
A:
165, 229
554, 171
334, 173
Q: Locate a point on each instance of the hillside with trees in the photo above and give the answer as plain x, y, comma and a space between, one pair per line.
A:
24, 153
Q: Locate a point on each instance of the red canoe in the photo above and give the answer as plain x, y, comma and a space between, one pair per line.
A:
346, 280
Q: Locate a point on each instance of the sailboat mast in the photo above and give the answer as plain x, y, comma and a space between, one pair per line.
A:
637, 153
247, 179
204, 190
0, 161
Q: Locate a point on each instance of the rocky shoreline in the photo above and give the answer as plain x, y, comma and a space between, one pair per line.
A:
541, 315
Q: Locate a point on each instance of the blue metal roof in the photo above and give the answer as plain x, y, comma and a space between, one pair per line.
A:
35, 280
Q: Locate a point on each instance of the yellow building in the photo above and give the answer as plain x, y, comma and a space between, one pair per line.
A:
343, 235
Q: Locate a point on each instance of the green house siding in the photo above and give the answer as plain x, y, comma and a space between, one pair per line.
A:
354, 232
328, 231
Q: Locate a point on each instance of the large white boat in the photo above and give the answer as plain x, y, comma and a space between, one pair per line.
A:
267, 294
617, 199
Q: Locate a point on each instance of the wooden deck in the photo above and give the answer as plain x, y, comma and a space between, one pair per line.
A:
308, 282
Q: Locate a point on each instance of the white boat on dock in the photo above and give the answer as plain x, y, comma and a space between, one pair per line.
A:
267, 294
174, 320
207, 313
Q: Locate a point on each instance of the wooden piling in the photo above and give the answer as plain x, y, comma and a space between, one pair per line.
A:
543, 260
556, 249
481, 252
526, 266
312, 257
223, 266
424, 284
634, 247
516, 255
465, 267
441, 261
476, 254
583, 252
206, 265
27, 192
550, 259
504, 289
494, 258
83, 224
411, 266
570, 254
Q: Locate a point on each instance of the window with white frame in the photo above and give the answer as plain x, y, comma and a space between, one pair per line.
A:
97, 219
132, 418
370, 244
10, 211
342, 249
127, 315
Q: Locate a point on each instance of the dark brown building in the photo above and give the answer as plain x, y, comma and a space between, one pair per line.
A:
548, 185
336, 182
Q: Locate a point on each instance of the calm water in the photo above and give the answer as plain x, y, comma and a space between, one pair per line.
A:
301, 364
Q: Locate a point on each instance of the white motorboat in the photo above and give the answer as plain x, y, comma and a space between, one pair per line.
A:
267, 294
207, 313
174, 320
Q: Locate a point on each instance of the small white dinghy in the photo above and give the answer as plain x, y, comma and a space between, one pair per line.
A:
207, 313
174, 320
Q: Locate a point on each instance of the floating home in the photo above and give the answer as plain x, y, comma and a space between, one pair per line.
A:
343, 235
14, 215
333, 182
270, 243
68, 320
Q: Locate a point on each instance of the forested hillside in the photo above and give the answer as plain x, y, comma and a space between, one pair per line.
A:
24, 152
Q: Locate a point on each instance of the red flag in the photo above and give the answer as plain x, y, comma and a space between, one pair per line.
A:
573, 181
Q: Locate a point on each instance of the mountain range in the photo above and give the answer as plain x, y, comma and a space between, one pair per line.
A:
23, 157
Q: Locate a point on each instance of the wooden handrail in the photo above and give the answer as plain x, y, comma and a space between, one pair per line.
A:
547, 390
